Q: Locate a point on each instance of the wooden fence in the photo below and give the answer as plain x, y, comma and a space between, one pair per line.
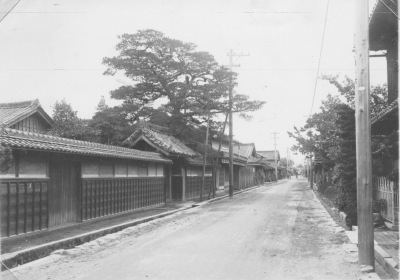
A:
25, 202
193, 186
389, 191
102, 197
24, 205
246, 177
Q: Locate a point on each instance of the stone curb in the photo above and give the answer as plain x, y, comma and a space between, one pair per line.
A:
11, 260
385, 259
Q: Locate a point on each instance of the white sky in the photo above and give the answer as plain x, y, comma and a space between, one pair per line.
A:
52, 49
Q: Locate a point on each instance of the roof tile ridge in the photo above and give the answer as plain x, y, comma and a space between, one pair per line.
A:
64, 140
20, 104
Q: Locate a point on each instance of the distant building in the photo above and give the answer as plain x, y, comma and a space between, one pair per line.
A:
270, 155
25, 116
270, 158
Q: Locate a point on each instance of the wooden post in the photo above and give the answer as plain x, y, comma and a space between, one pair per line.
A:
216, 177
231, 54
363, 137
170, 182
311, 173
230, 129
205, 158
183, 171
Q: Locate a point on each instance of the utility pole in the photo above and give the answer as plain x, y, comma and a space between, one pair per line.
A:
231, 54
311, 173
363, 137
276, 163
287, 162
205, 158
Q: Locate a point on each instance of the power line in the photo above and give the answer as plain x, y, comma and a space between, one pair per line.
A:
315, 89
320, 54
1, 19
389, 9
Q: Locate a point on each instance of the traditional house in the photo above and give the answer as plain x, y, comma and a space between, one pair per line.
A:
269, 170
247, 174
247, 167
270, 157
25, 116
54, 181
383, 37
262, 168
222, 176
187, 167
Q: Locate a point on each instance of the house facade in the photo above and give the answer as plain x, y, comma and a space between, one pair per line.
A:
383, 38
54, 181
249, 169
270, 158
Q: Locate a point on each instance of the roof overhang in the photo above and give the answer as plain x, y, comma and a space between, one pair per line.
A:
150, 143
235, 162
387, 121
383, 25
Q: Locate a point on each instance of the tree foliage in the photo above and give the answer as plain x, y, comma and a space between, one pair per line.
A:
344, 158
6, 156
68, 125
330, 136
185, 84
284, 162
318, 136
111, 123
346, 87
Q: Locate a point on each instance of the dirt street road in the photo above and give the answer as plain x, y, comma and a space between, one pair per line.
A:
273, 232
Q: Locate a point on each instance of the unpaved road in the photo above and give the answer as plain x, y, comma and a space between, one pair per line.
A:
279, 231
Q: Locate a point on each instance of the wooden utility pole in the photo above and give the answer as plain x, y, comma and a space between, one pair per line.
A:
205, 158
363, 137
275, 156
231, 54
287, 162
311, 173
219, 150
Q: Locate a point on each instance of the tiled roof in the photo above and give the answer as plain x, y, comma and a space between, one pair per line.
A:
225, 150
255, 161
259, 161
391, 108
243, 150
35, 141
11, 113
159, 137
269, 155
